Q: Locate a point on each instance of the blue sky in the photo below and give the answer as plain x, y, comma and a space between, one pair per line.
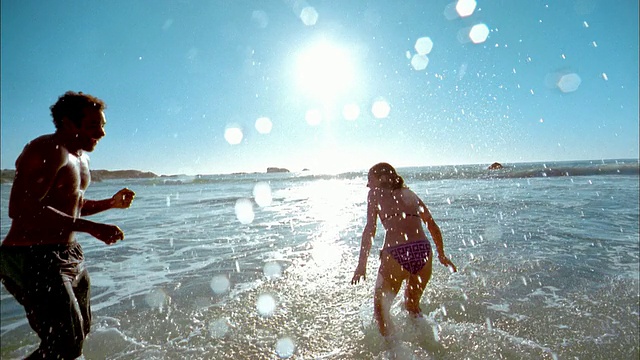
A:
553, 80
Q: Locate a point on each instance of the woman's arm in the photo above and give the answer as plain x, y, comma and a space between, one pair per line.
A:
368, 234
436, 234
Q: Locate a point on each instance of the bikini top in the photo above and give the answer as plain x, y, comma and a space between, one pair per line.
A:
398, 214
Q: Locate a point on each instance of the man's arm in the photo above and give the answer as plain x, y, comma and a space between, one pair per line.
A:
121, 200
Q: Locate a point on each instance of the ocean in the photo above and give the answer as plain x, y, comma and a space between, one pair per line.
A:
258, 266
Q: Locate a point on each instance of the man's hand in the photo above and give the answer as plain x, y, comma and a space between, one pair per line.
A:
106, 233
123, 198
361, 272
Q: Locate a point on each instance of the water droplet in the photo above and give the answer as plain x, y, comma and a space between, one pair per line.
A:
436, 336
156, 298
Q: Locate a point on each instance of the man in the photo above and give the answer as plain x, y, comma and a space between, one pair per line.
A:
41, 263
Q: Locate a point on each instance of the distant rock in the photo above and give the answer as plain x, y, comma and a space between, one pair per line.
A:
495, 166
99, 175
277, 170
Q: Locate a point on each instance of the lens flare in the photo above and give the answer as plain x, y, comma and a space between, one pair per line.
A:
220, 284
466, 8
219, 328
233, 134
285, 347
479, 33
380, 109
244, 211
266, 305
262, 194
351, 111
423, 45
313, 117
272, 270
263, 125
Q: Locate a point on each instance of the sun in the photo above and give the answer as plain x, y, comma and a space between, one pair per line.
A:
324, 70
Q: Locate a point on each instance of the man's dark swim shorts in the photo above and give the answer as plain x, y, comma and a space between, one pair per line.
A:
52, 284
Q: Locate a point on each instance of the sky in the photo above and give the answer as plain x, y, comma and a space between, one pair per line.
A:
225, 86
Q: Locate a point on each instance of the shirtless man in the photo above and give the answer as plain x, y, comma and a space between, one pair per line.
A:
41, 263
406, 253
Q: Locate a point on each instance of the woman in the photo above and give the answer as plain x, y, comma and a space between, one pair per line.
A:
406, 253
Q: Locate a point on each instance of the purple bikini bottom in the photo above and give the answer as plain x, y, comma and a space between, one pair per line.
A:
411, 256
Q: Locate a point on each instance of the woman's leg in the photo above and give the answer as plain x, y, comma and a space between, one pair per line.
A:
390, 276
415, 287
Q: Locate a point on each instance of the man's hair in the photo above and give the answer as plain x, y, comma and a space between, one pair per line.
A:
71, 105
392, 179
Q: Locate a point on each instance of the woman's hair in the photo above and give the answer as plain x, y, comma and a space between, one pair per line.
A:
389, 178
72, 105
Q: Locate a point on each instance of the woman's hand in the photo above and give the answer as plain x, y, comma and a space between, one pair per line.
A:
446, 262
361, 272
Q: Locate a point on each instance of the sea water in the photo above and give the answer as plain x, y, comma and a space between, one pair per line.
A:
258, 266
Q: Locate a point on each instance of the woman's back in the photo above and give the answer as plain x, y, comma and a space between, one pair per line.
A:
400, 211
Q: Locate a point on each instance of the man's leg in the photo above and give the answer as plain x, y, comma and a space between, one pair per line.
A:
52, 308
82, 291
54, 314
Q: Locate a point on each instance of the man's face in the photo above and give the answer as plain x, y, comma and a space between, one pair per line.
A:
91, 129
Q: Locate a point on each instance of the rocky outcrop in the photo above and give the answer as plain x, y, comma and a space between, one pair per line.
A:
277, 170
99, 175
7, 176
495, 166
